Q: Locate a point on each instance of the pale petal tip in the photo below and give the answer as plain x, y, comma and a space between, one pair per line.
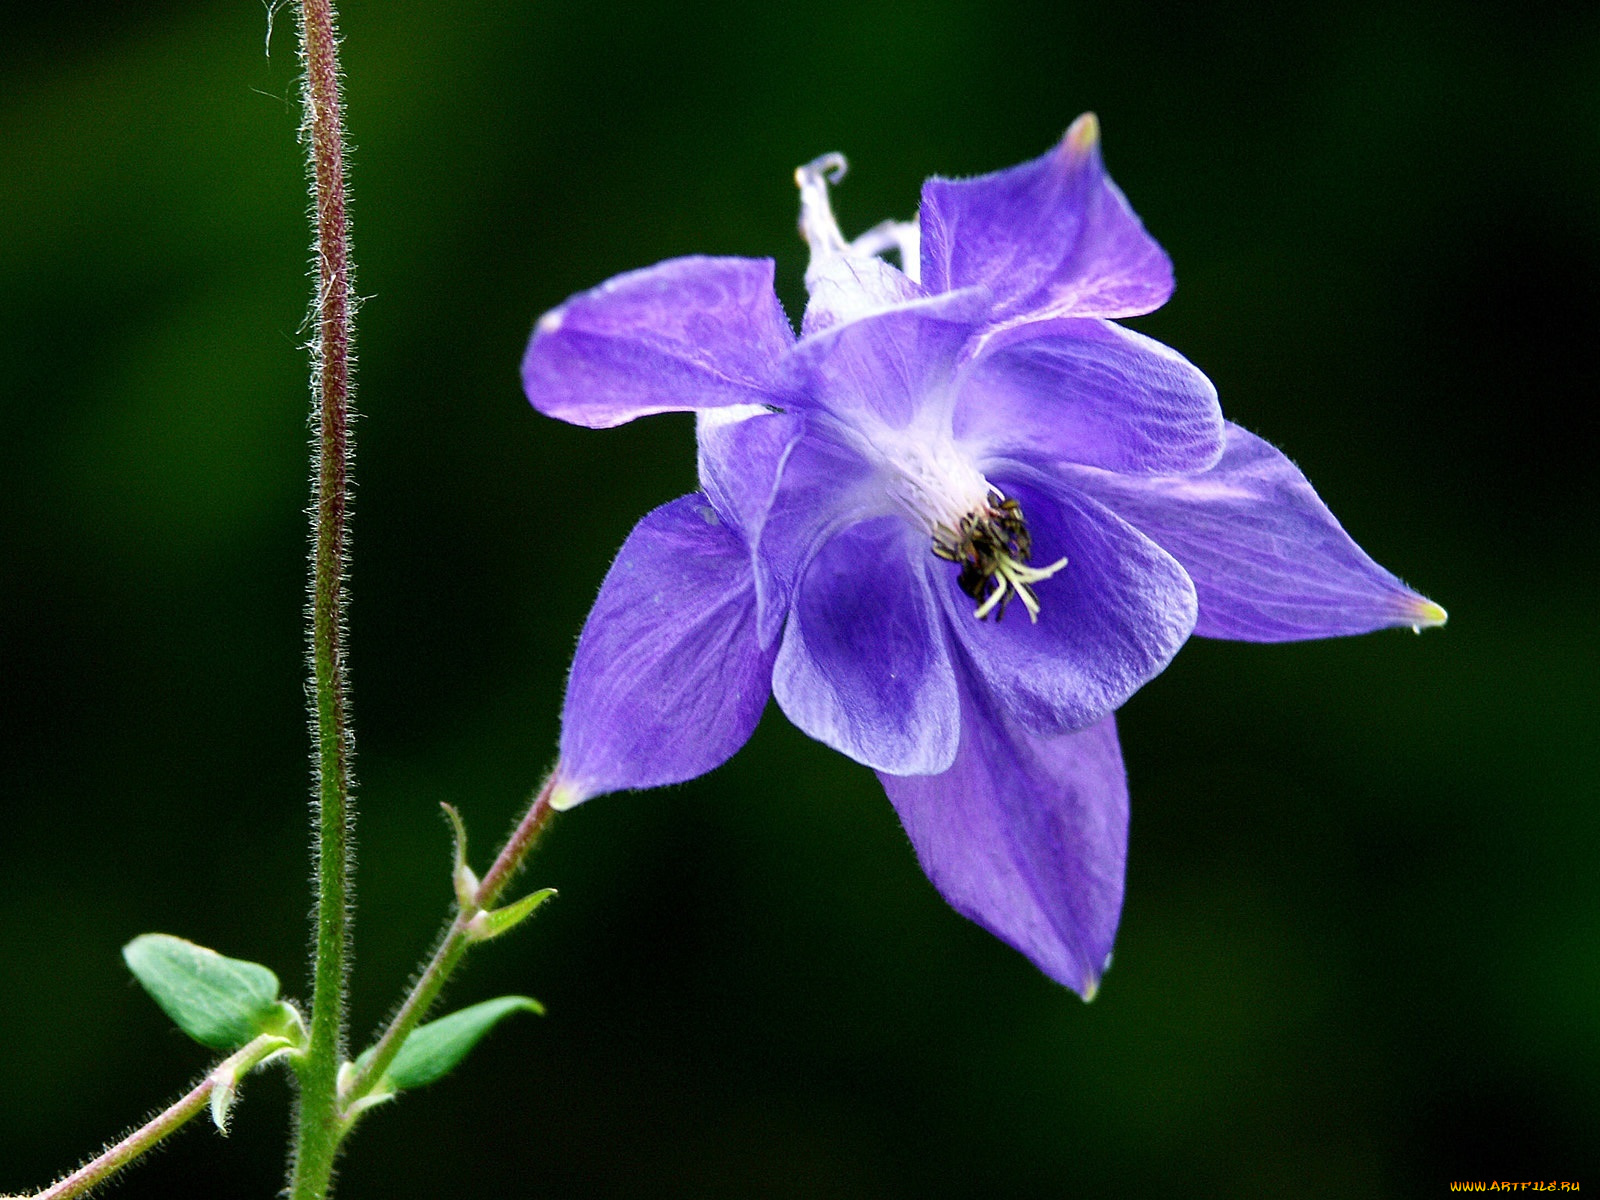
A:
1083, 136
551, 321
1425, 614
1091, 983
567, 795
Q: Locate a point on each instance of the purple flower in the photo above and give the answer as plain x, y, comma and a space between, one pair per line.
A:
962, 439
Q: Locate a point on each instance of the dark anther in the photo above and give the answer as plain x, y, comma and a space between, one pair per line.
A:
985, 545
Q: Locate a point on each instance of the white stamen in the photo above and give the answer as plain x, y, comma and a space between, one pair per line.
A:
1017, 576
1022, 573
995, 597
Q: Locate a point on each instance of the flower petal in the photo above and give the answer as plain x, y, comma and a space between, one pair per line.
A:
1052, 238
1027, 835
825, 488
668, 681
1109, 620
864, 666
1088, 391
847, 286
888, 368
688, 333
740, 452
1269, 561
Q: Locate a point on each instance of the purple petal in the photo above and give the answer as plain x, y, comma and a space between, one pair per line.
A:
1088, 391
1109, 621
740, 457
668, 681
863, 665
825, 488
1269, 561
880, 370
1052, 238
689, 333
1027, 835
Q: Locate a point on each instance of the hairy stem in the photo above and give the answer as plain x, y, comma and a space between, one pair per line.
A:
453, 946
317, 1119
144, 1139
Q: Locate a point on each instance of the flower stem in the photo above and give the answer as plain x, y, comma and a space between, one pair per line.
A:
97, 1170
453, 946
317, 1117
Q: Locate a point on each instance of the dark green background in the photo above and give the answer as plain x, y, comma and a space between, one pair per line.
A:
1361, 948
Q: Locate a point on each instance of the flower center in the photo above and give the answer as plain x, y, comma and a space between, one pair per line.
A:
993, 546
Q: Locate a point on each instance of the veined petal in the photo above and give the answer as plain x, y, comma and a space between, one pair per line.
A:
1027, 835
889, 368
848, 286
740, 452
864, 665
689, 333
1052, 238
1269, 561
668, 680
1109, 620
786, 492
1088, 391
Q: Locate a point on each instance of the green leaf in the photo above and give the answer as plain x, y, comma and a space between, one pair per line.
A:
492, 923
433, 1049
219, 1002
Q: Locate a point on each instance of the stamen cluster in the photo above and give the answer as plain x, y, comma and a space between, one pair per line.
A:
993, 546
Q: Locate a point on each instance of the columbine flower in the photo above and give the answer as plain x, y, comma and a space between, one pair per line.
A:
951, 527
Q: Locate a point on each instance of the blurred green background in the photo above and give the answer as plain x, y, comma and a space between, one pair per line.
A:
1361, 948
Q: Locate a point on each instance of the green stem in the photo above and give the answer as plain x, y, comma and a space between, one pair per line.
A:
453, 946
144, 1139
317, 1118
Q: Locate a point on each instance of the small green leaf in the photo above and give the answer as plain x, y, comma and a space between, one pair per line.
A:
492, 923
433, 1049
219, 1002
